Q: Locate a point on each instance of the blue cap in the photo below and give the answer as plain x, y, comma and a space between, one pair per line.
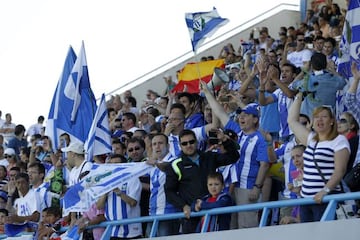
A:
251, 108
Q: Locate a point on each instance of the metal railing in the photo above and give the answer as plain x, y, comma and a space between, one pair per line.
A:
266, 207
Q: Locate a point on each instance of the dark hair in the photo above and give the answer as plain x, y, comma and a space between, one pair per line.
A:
179, 106
305, 116
142, 132
300, 146
318, 61
122, 158
41, 118
4, 211
186, 132
138, 140
130, 115
132, 100
188, 95
22, 175
39, 166
155, 127
292, 66
19, 129
56, 211
331, 40
216, 175
161, 134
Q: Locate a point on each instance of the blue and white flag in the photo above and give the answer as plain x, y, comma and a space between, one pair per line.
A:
74, 103
99, 138
101, 179
202, 25
349, 51
350, 40
56, 107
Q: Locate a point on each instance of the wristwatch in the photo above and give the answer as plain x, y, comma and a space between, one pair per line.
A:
259, 186
326, 189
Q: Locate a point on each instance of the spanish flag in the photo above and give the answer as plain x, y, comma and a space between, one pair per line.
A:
189, 76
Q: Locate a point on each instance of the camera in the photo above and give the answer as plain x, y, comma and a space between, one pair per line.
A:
213, 137
40, 143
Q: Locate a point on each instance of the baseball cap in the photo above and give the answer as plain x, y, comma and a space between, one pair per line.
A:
75, 147
251, 108
9, 151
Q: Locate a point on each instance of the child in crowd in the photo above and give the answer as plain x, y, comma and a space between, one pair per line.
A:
295, 186
50, 224
3, 214
216, 198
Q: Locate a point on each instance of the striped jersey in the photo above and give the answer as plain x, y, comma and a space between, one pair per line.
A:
324, 153
117, 209
253, 150
158, 204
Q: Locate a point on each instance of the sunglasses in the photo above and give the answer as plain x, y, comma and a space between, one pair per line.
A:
191, 142
342, 120
132, 149
303, 123
7, 156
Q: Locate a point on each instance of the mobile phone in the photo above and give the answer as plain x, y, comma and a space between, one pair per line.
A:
213, 138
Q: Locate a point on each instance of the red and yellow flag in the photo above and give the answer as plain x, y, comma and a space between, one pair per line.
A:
191, 73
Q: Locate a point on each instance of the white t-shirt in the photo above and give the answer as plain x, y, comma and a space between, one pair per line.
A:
27, 205
298, 58
76, 171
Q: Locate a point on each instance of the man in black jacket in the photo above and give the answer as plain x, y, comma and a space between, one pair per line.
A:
186, 176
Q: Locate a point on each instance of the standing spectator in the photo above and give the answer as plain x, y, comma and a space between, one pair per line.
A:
128, 122
79, 167
160, 158
19, 140
36, 128
193, 117
7, 129
352, 101
186, 177
26, 208
301, 56
216, 198
123, 203
253, 163
325, 157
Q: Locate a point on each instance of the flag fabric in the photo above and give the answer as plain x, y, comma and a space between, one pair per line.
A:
189, 76
350, 40
349, 51
99, 138
101, 179
74, 103
56, 107
202, 25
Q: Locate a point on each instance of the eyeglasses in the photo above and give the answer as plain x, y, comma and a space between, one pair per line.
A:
191, 142
132, 149
300, 40
342, 120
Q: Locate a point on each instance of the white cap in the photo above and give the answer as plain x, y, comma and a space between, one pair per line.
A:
9, 151
75, 147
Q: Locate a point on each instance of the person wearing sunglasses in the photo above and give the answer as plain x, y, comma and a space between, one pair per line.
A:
186, 177
325, 157
253, 162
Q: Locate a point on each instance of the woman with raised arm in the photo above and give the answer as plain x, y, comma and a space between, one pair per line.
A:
325, 157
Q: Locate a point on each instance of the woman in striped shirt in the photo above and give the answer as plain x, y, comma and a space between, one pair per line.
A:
325, 157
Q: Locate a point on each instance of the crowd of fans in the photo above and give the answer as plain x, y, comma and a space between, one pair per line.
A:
284, 105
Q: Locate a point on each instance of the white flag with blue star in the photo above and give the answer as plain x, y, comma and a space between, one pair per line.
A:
202, 25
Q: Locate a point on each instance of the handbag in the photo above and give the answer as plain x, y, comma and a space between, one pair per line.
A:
352, 178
